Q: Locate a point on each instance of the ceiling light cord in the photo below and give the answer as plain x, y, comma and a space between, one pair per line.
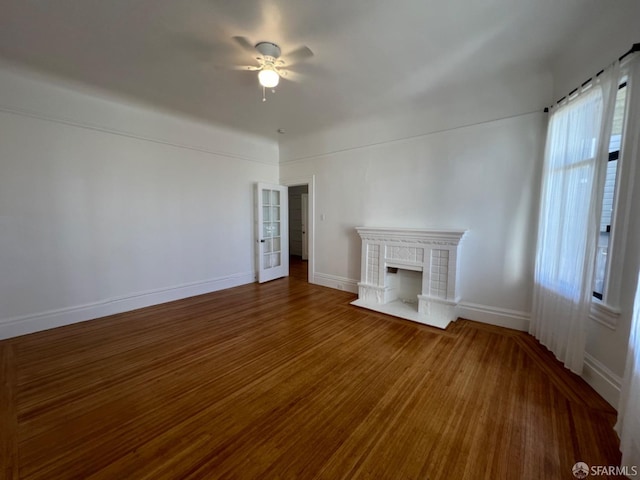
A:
264, 96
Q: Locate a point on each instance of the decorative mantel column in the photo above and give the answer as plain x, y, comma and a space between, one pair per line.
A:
434, 253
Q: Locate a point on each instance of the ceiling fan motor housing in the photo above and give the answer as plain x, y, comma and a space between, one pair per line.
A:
268, 49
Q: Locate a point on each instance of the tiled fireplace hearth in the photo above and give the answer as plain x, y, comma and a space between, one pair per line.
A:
410, 273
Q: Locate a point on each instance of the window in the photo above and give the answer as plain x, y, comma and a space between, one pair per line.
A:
609, 197
566, 197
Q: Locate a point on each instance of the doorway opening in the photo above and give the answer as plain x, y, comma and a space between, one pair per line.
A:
309, 182
298, 231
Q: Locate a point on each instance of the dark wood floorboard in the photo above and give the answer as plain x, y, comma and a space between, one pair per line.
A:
288, 380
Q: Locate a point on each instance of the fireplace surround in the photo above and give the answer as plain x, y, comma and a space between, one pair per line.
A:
410, 273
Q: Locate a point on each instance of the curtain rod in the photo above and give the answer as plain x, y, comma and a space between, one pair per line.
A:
634, 48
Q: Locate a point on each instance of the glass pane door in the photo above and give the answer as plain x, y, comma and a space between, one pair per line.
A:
272, 254
271, 231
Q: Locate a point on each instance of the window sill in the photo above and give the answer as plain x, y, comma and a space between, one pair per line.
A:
604, 314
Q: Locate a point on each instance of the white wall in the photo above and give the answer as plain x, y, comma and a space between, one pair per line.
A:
107, 206
483, 178
596, 46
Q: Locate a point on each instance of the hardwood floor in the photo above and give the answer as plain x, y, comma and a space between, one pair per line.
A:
287, 380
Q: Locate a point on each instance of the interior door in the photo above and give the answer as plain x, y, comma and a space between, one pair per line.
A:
304, 199
272, 231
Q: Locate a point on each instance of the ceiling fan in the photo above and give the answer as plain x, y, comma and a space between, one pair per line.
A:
270, 66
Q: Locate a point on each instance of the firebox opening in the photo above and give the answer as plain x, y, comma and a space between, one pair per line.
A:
405, 284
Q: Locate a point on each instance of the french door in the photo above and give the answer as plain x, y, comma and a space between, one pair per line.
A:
272, 231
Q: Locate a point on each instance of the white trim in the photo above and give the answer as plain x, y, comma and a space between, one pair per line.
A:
12, 327
403, 139
501, 317
604, 315
310, 181
411, 235
602, 379
123, 133
334, 281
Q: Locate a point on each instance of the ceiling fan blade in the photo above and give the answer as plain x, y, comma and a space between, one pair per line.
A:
298, 55
250, 68
290, 75
245, 44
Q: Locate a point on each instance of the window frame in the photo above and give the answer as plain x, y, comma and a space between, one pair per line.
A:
605, 307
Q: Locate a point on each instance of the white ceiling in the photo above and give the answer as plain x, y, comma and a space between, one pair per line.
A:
370, 55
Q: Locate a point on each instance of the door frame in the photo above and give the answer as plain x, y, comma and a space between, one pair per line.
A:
310, 182
304, 203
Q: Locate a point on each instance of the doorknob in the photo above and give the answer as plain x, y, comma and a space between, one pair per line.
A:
262, 240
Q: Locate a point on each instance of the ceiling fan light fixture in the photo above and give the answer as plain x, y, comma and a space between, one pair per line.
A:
268, 77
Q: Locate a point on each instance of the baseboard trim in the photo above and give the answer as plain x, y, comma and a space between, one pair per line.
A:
602, 379
501, 317
334, 281
13, 327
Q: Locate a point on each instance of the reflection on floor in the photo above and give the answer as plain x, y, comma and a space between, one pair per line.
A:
298, 268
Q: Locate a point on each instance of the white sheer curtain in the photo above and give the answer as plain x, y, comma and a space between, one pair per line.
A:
628, 426
574, 168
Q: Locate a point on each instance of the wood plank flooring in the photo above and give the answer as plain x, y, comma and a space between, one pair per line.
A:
288, 381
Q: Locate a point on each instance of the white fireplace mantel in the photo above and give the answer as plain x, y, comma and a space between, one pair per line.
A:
410, 273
